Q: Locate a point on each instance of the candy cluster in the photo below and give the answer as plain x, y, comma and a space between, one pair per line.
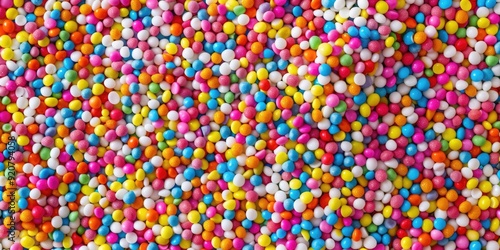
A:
249, 124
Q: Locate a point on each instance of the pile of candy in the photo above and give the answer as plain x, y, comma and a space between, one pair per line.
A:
249, 124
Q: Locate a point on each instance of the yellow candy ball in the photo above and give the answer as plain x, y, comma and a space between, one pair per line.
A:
472, 235
137, 119
75, 105
346, 211
427, 225
194, 216
262, 74
51, 102
494, 202
373, 100
484, 203
356, 126
260, 27
495, 224
406, 243
87, 190
485, 186
18, 117
317, 90
346, 175
365, 110
472, 183
382, 7
94, 197
117, 215
129, 185
104, 247
317, 173
96, 38
465, 5
394, 132
7, 54
451, 27
171, 48
166, 232
325, 49
387, 211
264, 240
228, 28
199, 153
483, 22
366, 220
48, 80
98, 89
18, 3
438, 68
455, 144
306, 197
68, 242
23, 140
22, 36
295, 184
413, 212
281, 157
5, 41
449, 134
142, 214
27, 242
70, 26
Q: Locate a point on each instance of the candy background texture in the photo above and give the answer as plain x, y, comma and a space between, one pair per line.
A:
249, 124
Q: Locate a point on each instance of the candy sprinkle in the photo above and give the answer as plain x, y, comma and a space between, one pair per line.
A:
249, 124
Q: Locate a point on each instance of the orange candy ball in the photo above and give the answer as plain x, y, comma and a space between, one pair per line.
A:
95, 102
252, 162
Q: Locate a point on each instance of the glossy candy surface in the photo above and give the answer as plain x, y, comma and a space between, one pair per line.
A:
249, 124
